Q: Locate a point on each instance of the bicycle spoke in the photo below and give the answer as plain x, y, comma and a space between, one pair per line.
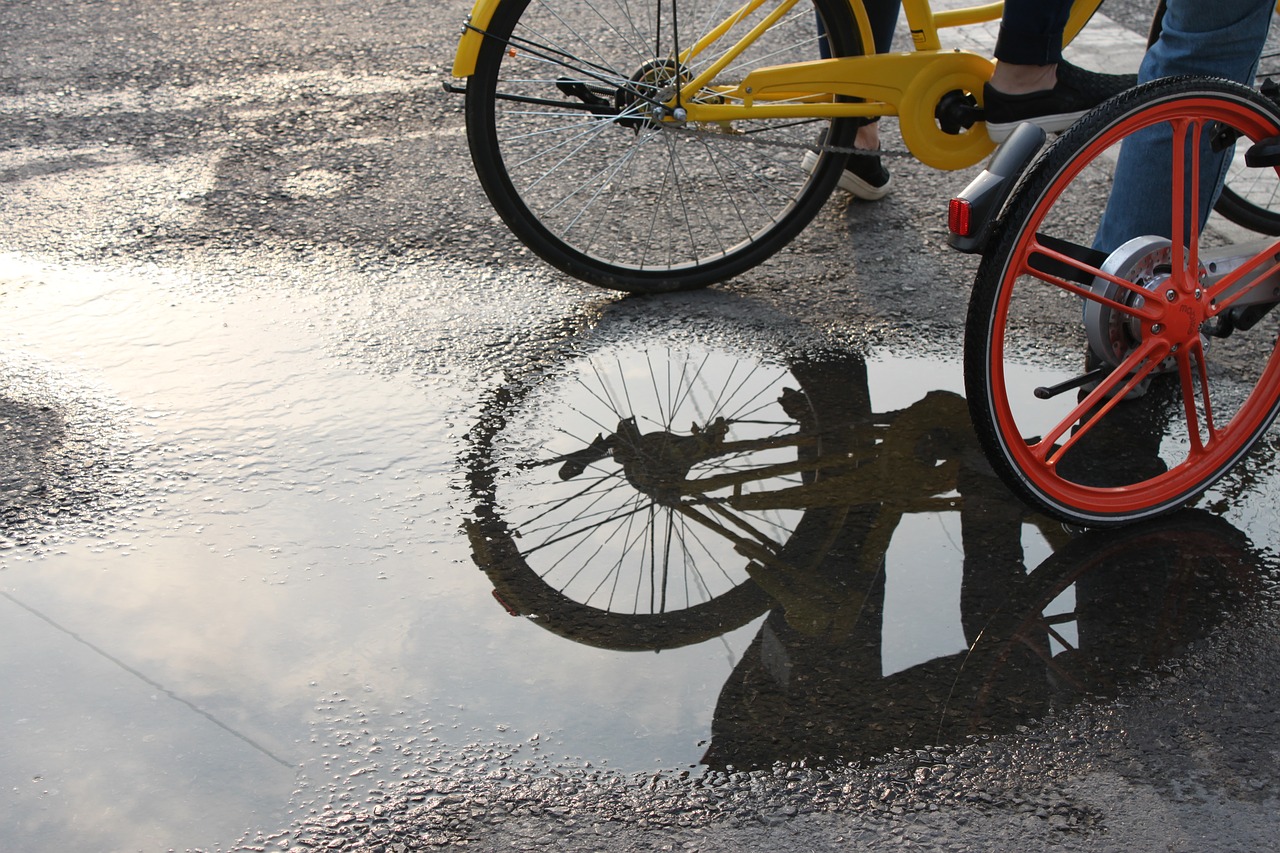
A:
1191, 379
632, 40
1099, 402
620, 531
1041, 248
1114, 413
1186, 194
590, 191
581, 532
677, 182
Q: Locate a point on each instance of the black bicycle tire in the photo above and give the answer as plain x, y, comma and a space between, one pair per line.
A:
1232, 205
989, 282
1246, 214
530, 230
1226, 561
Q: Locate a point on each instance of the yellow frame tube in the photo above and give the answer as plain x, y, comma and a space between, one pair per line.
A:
464, 58
925, 23
967, 15
699, 82
698, 48
921, 19
732, 21
1081, 12
808, 89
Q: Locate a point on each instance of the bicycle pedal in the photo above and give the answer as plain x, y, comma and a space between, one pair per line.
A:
1263, 153
1270, 89
957, 111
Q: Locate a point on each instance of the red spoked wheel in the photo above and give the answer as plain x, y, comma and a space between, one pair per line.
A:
1113, 383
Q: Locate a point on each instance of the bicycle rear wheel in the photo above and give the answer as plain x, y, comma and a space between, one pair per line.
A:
1178, 390
561, 126
1251, 197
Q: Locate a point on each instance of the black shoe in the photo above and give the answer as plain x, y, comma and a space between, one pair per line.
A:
1094, 85
1076, 92
864, 175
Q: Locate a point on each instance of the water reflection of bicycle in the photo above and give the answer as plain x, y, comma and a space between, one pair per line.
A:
657, 494
645, 497
1104, 610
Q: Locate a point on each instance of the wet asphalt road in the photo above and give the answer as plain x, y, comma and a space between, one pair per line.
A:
300, 159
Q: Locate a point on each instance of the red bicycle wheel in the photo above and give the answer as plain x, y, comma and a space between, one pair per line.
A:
1111, 387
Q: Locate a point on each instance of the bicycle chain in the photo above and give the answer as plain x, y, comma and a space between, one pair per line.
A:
668, 127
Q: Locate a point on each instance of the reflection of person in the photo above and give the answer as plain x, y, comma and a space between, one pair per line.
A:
1101, 611
812, 684
813, 687
1219, 39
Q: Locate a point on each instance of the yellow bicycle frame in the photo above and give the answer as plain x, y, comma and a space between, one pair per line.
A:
909, 85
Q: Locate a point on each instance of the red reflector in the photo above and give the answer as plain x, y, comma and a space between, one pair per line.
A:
505, 606
958, 217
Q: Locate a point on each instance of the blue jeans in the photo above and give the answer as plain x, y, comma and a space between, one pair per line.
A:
1222, 38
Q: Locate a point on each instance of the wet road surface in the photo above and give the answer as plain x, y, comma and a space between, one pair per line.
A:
303, 540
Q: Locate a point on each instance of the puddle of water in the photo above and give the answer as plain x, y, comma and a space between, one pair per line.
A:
656, 492
284, 539
279, 607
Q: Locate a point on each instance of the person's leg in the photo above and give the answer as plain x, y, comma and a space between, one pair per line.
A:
1031, 32
1030, 81
883, 16
1220, 39
865, 176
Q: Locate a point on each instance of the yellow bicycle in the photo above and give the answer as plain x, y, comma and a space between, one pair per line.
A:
660, 145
